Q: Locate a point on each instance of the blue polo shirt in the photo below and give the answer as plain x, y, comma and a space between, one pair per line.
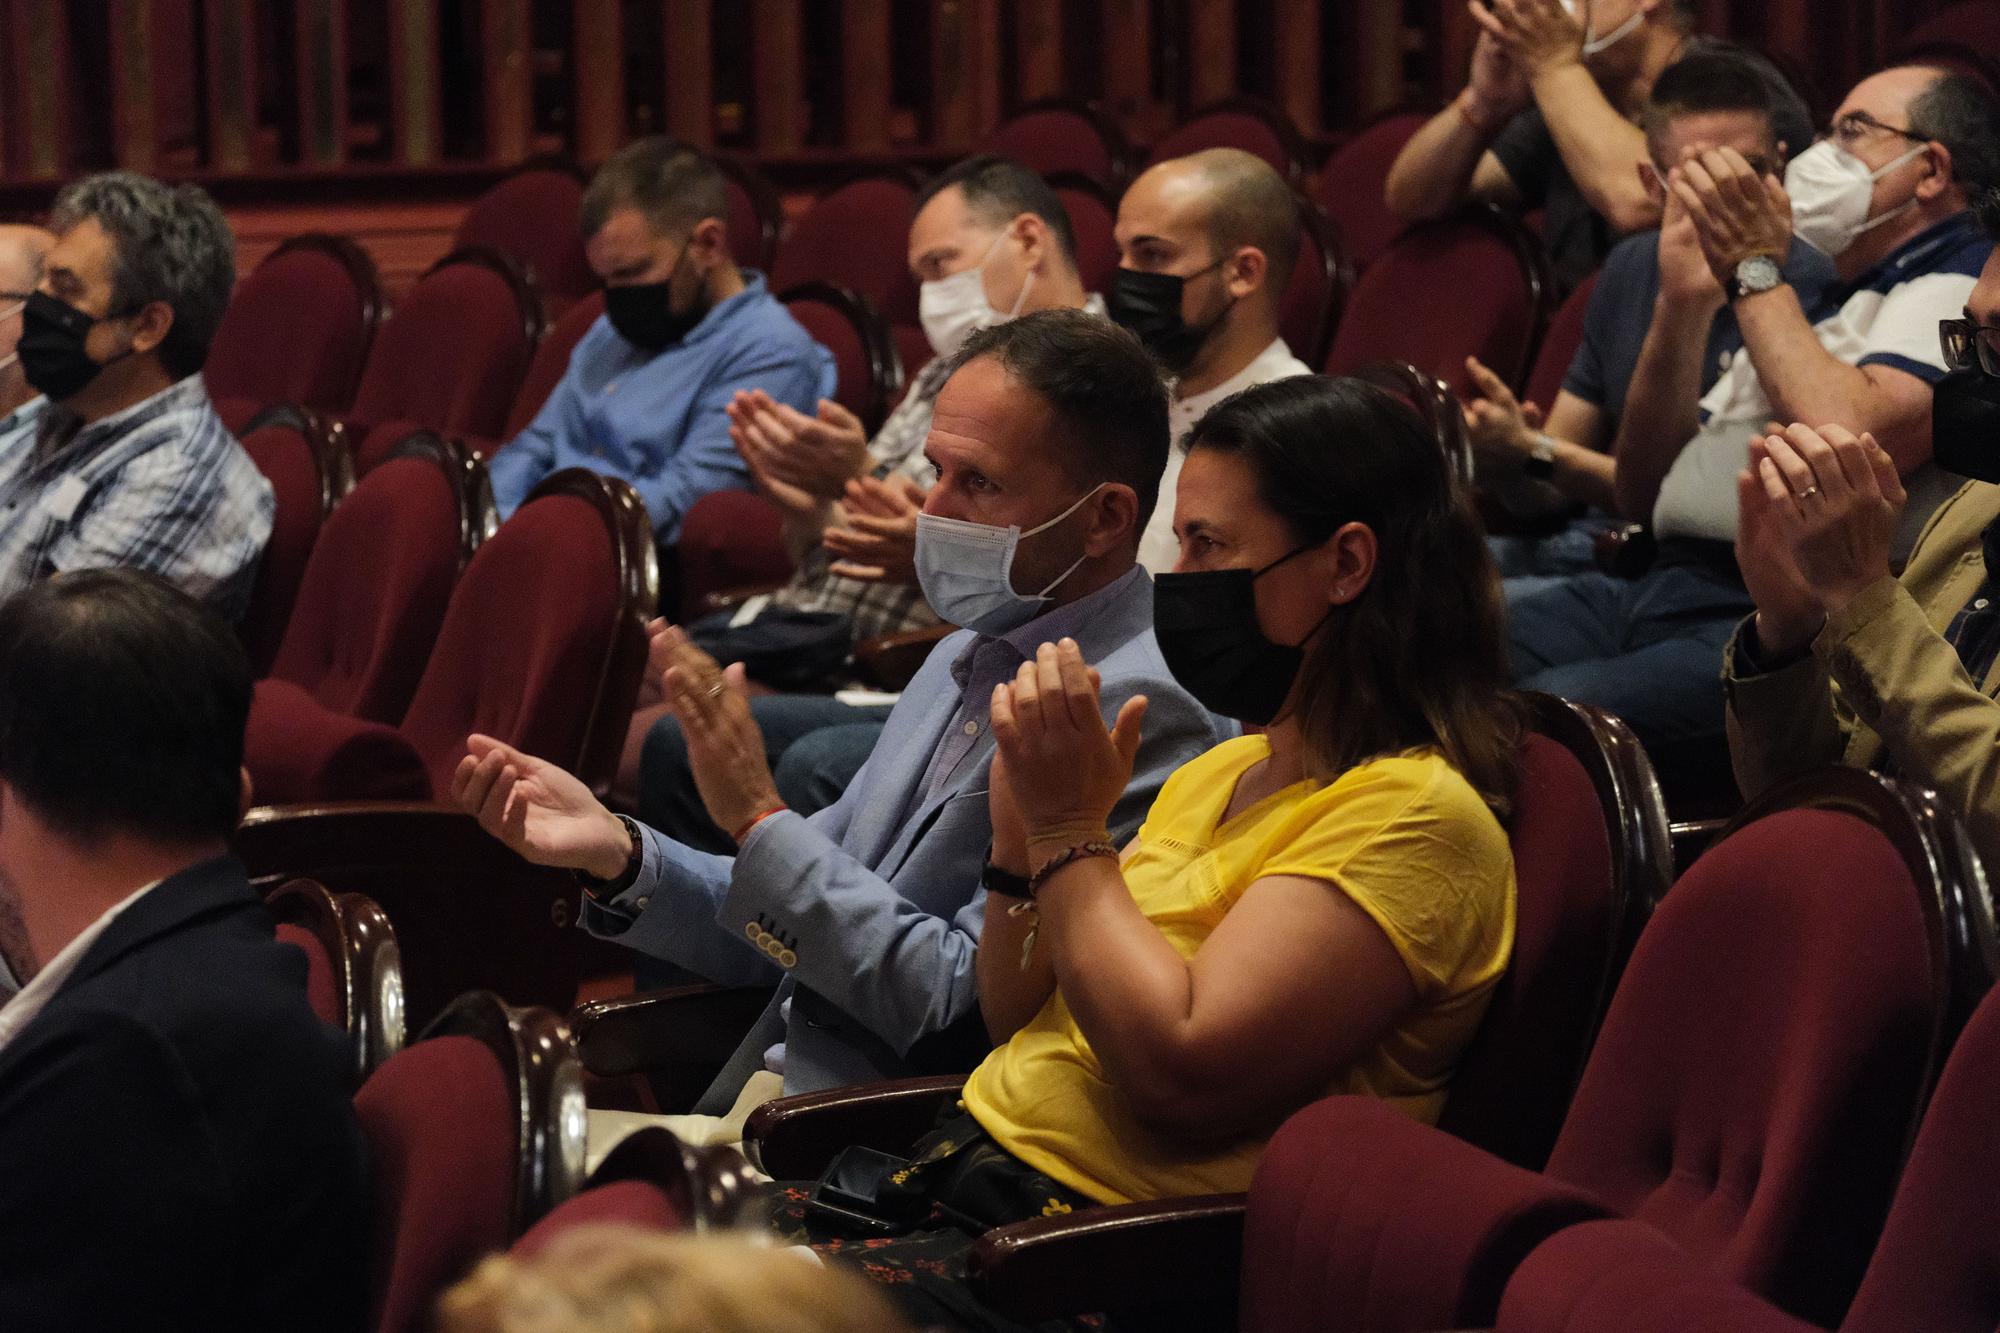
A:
656, 419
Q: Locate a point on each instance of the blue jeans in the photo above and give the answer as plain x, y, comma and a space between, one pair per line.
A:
1649, 649
1529, 565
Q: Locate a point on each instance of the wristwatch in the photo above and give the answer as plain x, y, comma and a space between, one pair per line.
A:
1541, 461
604, 890
1758, 273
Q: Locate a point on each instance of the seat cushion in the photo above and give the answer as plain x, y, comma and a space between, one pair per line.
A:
298, 750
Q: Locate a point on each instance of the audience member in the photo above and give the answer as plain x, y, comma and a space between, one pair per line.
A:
1206, 245
990, 241
1049, 436
1322, 908
177, 1149
127, 464
1841, 662
1885, 194
1548, 121
1709, 99
647, 392
23, 251
607, 1278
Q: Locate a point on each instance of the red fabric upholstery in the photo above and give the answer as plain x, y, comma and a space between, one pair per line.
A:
373, 444
1350, 185
296, 331
856, 236
524, 642
913, 349
1309, 294
1229, 128
746, 225
1055, 139
856, 386
237, 412
1559, 346
285, 458
1092, 220
636, 1203
531, 217
1491, 314
322, 989
442, 1130
452, 356
1629, 1277
551, 362
374, 593
729, 540
298, 749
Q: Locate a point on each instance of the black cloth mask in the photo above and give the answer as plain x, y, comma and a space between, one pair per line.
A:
643, 313
1965, 424
1149, 304
52, 347
1206, 624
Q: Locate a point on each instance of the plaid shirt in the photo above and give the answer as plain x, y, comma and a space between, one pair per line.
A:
161, 486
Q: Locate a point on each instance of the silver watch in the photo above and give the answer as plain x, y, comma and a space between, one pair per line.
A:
1758, 273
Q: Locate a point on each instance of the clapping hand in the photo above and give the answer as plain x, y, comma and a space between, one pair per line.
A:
545, 815
1498, 85
816, 455
1067, 770
1501, 427
725, 746
1737, 213
879, 542
1537, 35
1835, 500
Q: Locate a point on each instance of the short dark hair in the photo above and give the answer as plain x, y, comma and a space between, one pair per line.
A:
674, 186
997, 190
1101, 384
1959, 113
1419, 658
1721, 77
1250, 205
1987, 209
122, 707
171, 245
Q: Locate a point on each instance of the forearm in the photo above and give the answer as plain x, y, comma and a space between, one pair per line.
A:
1433, 174
1662, 406
1781, 722
803, 533
1808, 384
1598, 145
1012, 987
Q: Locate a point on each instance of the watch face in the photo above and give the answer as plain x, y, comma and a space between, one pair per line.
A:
1758, 273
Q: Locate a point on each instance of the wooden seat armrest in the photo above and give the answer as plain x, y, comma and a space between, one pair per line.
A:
1691, 838
677, 1038
1178, 1258
890, 661
793, 1138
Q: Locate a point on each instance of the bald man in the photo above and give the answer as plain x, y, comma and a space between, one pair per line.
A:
1206, 244
23, 251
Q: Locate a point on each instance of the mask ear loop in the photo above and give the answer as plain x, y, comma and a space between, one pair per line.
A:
1902, 208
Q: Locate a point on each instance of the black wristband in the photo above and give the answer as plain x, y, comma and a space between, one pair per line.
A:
995, 880
602, 891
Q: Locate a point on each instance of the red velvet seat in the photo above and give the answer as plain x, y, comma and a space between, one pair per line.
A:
1350, 186
452, 358
1092, 218
354, 972
857, 235
1317, 289
532, 217
1964, 37
550, 364
1500, 302
1559, 346
756, 213
297, 330
1058, 136
1250, 123
1749, 1095
306, 462
730, 540
867, 373
545, 637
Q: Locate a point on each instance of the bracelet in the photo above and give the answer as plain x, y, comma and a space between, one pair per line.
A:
1465, 113
1062, 858
1005, 882
744, 832
602, 891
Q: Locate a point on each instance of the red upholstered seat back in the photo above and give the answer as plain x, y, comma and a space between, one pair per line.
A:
1964, 37
1756, 1075
1255, 130
531, 217
1559, 346
286, 459
551, 362
297, 331
322, 983
1350, 185
1512, 1088
1306, 310
452, 356
636, 1203
1092, 220
856, 235
442, 1127
1053, 139
729, 540
525, 640
374, 592
1395, 312
847, 326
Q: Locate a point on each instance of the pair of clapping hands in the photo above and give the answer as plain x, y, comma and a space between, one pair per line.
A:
804, 464
1519, 39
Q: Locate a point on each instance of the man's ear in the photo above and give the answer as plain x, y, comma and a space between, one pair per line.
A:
1114, 519
1032, 235
1935, 184
710, 242
151, 325
1246, 270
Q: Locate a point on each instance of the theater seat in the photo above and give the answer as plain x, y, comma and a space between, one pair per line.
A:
756, 213
730, 540
654, 1181
1251, 124
354, 972
298, 330
1058, 136
1093, 216
1559, 346
857, 235
1350, 186
531, 217
1317, 288
868, 374
306, 462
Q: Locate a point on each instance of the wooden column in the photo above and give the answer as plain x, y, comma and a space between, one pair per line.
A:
1038, 49
135, 102
864, 75
1295, 34
965, 71
1128, 65
690, 68
1372, 64
778, 76
1211, 51
231, 95
415, 97
509, 79
39, 133
322, 84
598, 76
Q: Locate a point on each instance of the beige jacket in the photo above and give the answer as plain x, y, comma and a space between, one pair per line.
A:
1881, 685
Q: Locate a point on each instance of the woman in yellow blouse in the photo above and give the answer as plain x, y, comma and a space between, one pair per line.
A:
1320, 908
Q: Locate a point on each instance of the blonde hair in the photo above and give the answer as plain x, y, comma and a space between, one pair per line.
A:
609, 1278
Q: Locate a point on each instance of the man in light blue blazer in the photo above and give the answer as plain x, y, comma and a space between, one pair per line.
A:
1049, 438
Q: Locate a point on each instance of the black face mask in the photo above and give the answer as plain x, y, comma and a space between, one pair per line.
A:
53, 358
1965, 424
1206, 624
643, 313
1149, 304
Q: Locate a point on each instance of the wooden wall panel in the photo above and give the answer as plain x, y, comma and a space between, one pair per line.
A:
416, 99
778, 78
1211, 51
598, 75
865, 75
1128, 65
322, 82
689, 33
1298, 76
1038, 49
965, 71
231, 95
135, 97
508, 74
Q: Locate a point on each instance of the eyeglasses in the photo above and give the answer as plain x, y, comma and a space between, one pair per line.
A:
1967, 343
1858, 125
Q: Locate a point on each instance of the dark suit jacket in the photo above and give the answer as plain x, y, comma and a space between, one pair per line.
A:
178, 1148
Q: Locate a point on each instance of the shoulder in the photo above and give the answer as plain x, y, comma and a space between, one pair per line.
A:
1634, 262
84, 1047
1414, 795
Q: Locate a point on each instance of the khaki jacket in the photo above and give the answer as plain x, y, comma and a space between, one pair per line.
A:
1881, 685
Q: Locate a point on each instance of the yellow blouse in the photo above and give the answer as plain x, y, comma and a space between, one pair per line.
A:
1406, 838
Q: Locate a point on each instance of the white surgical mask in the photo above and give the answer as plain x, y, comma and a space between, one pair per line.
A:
1593, 44
1830, 190
952, 309
967, 571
